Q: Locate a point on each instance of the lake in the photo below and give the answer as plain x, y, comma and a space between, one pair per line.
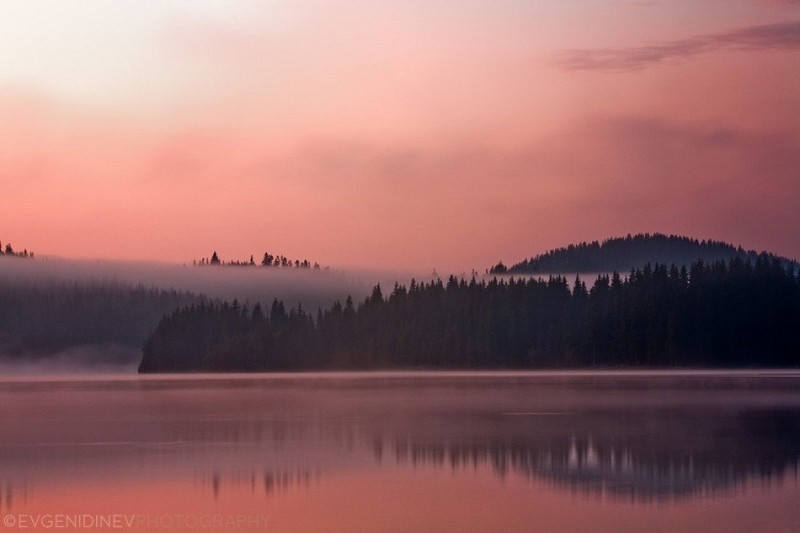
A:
402, 451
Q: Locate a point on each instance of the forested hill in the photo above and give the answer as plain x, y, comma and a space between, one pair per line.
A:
41, 319
722, 314
622, 254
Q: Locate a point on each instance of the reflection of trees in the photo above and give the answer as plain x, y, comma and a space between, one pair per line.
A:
268, 482
644, 455
6, 497
646, 439
651, 456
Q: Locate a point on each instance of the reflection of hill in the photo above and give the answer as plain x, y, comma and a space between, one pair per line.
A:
628, 455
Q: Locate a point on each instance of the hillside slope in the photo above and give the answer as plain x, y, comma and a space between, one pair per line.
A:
622, 254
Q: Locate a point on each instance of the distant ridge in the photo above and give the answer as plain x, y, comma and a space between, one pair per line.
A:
622, 254
269, 261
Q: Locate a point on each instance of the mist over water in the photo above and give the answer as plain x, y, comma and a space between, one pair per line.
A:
100, 359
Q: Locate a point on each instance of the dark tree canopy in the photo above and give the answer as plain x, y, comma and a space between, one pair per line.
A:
733, 314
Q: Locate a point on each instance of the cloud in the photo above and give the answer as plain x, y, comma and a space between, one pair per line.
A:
103, 189
781, 36
709, 180
607, 173
789, 3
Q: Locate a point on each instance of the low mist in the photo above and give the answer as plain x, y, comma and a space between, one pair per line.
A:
64, 316
307, 287
83, 359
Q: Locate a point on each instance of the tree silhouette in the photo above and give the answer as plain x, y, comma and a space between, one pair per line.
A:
732, 314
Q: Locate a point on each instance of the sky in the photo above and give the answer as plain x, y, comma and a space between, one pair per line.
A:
444, 134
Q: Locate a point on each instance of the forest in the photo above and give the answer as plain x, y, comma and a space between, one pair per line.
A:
43, 318
738, 313
624, 253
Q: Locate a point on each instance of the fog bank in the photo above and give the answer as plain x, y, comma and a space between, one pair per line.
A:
307, 287
84, 359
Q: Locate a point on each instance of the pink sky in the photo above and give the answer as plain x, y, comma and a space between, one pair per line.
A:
439, 134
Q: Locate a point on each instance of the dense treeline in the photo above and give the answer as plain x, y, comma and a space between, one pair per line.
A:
624, 253
739, 313
269, 260
45, 318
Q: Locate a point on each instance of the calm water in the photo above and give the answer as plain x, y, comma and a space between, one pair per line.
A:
403, 452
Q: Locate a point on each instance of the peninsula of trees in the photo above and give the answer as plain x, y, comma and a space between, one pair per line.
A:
624, 253
58, 307
721, 314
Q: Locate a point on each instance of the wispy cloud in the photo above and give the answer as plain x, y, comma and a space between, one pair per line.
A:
764, 37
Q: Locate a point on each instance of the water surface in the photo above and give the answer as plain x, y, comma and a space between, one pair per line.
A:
459, 451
